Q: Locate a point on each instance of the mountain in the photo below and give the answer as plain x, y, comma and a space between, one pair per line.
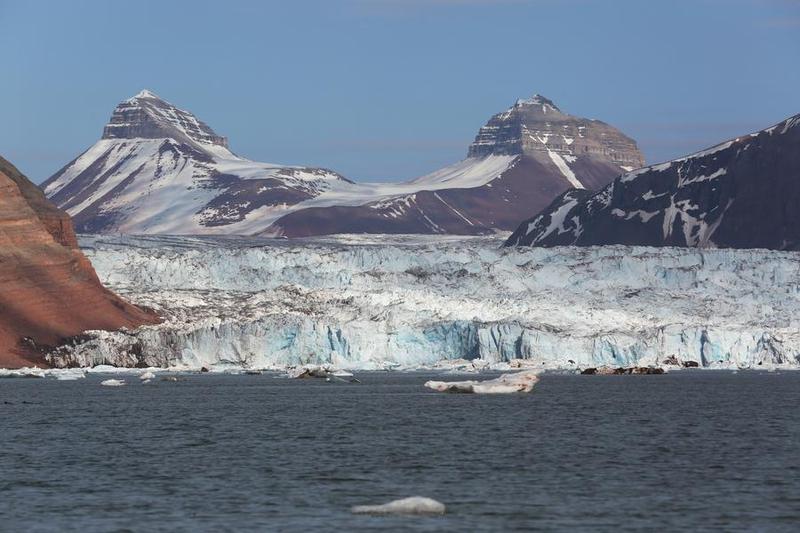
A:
158, 169
50, 290
743, 193
520, 160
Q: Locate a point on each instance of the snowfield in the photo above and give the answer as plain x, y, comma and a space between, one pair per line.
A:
386, 302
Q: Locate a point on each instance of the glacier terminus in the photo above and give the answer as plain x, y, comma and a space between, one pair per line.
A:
377, 302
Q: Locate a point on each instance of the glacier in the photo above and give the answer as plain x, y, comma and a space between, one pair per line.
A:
376, 302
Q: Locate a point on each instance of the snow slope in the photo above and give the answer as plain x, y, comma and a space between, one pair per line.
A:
364, 302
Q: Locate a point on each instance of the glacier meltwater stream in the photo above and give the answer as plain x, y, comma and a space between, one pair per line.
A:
376, 302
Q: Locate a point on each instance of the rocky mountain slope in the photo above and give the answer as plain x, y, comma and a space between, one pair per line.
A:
520, 160
744, 193
49, 289
159, 169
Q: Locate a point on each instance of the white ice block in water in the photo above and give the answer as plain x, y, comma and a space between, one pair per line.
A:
69, 374
22, 373
505, 384
112, 383
147, 376
412, 505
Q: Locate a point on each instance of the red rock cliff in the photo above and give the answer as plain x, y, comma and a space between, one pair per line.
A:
48, 289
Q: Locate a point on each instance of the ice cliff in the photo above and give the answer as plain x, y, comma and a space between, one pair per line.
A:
372, 302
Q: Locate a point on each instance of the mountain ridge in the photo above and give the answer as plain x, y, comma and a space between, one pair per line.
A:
741, 193
159, 169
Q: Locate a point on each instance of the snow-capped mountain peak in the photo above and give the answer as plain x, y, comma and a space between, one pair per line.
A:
537, 100
536, 127
146, 93
147, 116
159, 169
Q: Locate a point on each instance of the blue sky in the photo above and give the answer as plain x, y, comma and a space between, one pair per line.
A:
391, 89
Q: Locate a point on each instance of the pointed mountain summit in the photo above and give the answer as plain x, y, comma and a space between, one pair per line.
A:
159, 169
146, 116
743, 193
537, 126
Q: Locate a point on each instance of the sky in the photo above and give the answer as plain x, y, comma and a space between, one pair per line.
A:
384, 90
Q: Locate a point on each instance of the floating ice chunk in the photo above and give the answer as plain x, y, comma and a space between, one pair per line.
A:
412, 505
22, 373
70, 374
109, 369
112, 383
147, 376
505, 384
308, 371
321, 371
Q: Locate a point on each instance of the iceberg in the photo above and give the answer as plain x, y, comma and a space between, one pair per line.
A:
415, 505
505, 384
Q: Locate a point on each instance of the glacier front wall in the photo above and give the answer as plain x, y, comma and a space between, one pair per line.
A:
374, 302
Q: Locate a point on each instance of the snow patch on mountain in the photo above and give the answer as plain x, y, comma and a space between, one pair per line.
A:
471, 172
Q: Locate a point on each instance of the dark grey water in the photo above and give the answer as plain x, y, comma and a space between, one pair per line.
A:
691, 450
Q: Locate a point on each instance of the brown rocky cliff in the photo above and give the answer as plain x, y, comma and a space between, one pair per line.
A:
48, 289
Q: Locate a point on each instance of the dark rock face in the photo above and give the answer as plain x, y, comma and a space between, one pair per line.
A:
536, 126
146, 116
743, 193
50, 291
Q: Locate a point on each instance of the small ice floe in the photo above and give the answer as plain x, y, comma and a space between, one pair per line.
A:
147, 376
22, 373
68, 374
112, 383
308, 371
505, 384
108, 369
322, 372
60, 374
415, 505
